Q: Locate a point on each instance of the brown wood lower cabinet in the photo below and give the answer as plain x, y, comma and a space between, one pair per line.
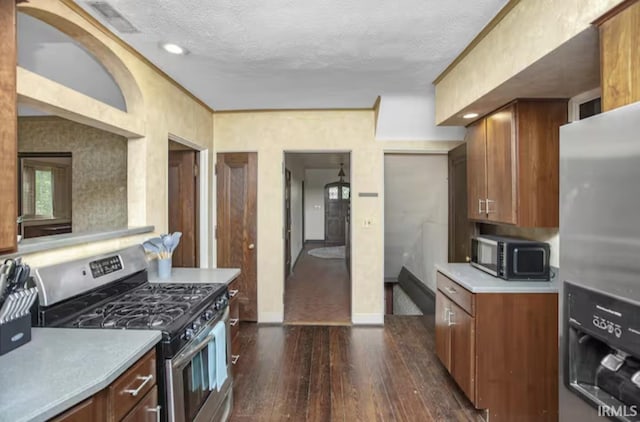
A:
133, 397
234, 321
501, 349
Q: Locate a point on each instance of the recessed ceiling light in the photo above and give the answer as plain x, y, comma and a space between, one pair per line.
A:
470, 115
173, 48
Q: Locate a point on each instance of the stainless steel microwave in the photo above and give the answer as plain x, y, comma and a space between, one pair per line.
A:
511, 258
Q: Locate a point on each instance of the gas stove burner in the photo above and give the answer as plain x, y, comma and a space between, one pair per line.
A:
129, 315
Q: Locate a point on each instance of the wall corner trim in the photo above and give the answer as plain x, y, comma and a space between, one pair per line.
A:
368, 319
270, 317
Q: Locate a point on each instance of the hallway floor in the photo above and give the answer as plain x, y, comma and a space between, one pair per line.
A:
302, 373
318, 291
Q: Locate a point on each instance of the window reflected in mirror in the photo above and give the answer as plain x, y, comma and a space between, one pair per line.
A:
45, 197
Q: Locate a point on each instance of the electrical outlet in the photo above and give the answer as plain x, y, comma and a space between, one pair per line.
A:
368, 222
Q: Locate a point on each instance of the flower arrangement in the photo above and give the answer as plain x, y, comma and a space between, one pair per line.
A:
163, 246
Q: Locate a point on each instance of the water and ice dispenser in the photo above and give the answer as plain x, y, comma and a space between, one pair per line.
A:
602, 351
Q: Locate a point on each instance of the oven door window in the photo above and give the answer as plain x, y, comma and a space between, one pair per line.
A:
199, 380
195, 378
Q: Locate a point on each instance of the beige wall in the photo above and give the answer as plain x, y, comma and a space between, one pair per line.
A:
272, 133
99, 168
160, 109
530, 31
416, 214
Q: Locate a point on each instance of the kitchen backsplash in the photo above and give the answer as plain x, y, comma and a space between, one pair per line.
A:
99, 177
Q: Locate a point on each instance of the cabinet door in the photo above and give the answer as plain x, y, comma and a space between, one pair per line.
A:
477, 170
443, 338
463, 350
8, 128
147, 410
501, 174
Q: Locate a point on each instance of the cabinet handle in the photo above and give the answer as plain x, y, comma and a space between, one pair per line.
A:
450, 321
490, 201
234, 359
145, 381
233, 322
480, 202
451, 290
446, 314
155, 410
232, 293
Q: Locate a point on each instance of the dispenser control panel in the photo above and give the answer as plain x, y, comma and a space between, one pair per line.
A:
611, 319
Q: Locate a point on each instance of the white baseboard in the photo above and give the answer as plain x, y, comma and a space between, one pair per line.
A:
271, 318
367, 319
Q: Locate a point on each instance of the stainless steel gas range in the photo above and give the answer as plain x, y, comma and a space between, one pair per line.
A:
112, 292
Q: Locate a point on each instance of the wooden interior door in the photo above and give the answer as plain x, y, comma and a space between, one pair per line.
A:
443, 337
236, 224
463, 350
287, 223
460, 228
477, 170
501, 175
8, 128
336, 209
184, 205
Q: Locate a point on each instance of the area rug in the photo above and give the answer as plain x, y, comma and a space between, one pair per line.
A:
332, 252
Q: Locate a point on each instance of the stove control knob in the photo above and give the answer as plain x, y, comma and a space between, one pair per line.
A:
188, 334
195, 325
208, 315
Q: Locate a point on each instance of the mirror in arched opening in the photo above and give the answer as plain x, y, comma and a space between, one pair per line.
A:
45, 50
73, 177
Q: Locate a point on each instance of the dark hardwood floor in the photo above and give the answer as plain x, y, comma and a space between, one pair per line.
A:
318, 291
334, 373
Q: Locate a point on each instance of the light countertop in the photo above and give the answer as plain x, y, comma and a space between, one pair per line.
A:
61, 367
477, 281
197, 275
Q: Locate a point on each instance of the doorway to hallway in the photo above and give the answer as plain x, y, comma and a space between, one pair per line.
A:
317, 233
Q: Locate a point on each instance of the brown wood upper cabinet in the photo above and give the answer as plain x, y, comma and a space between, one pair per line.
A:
620, 55
512, 164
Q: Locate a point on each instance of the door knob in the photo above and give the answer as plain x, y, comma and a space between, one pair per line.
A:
252, 246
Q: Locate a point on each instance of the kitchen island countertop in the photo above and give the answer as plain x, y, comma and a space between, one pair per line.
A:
477, 281
61, 367
196, 275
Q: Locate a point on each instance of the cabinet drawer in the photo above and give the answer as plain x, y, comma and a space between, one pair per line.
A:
458, 294
88, 410
234, 317
147, 410
131, 387
233, 287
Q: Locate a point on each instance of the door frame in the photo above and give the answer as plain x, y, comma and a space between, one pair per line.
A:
351, 239
204, 239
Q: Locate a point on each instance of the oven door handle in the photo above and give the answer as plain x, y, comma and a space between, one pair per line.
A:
193, 350
187, 356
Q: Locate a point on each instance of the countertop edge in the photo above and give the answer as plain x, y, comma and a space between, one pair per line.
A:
180, 275
50, 243
511, 288
99, 385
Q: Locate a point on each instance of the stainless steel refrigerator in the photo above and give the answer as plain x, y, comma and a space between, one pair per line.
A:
599, 223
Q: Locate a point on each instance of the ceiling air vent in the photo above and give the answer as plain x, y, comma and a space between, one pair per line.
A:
113, 17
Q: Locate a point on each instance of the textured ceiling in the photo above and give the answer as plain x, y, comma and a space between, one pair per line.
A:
255, 54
